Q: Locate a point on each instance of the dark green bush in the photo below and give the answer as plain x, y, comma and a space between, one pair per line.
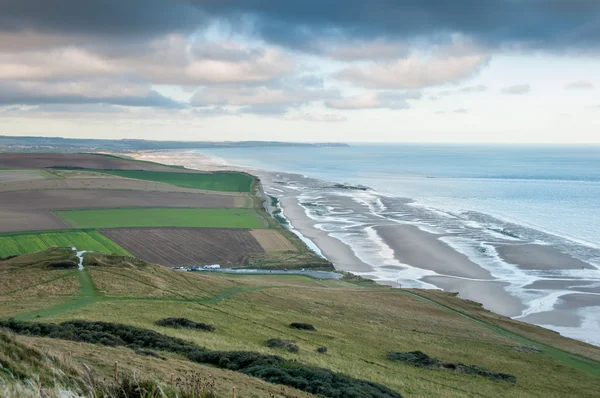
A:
271, 368
322, 350
422, 360
185, 323
302, 326
288, 345
63, 264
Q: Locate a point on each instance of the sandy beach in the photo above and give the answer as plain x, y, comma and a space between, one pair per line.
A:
422, 249
420, 255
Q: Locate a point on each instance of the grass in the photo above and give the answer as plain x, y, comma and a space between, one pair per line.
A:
358, 323
221, 181
24, 243
161, 217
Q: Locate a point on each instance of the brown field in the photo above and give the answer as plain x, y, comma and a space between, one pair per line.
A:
12, 220
31, 211
23, 175
271, 240
97, 198
104, 183
80, 160
187, 246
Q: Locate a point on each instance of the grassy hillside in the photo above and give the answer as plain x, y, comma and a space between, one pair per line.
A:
358, 322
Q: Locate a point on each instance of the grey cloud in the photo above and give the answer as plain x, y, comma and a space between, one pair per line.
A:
580, 85
540, 24
461, 110
517, 89
35, 94
117, 19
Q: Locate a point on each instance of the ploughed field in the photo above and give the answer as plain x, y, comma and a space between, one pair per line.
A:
187, 246
162, 214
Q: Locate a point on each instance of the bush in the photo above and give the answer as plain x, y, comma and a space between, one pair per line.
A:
63, 264
422, 360
271, 368
8, 257
289, 345
302, 326
322, 350
185, 323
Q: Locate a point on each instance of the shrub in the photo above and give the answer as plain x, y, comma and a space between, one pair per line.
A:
63, 264
288, 345
422, 360
271, 368
322, 350
8, 257
302, 326
185, 323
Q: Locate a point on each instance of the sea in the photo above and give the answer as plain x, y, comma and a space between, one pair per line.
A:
547, 195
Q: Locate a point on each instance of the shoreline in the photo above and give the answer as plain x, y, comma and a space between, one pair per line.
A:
424, 260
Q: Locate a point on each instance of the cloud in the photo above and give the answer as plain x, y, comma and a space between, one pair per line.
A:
168, 60
101, 92
311, 117
580, 85
259, 99
414, 72
389, 100
517, 89
375, 50
549, 25
465, 90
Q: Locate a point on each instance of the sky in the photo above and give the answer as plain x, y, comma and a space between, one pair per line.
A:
493, 71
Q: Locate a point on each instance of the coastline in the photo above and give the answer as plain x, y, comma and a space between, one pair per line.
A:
424, 259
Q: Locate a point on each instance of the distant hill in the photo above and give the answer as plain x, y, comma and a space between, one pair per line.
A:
53, 144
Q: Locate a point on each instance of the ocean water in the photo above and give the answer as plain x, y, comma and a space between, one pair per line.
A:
475, 194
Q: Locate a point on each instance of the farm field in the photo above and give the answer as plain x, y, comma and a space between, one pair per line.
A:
272, 241
24, 243
75, 160
23, 175
162, 217
187, 246
105, 198
220, 181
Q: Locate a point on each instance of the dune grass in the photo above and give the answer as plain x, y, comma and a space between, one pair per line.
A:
161, 217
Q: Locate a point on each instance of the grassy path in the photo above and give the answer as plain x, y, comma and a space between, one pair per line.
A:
88, 294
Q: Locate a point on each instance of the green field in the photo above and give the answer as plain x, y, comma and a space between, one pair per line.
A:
25, 243
162, 217
226, 181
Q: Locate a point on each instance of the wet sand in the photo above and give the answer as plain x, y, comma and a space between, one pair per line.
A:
489, 293
538, 257
424, 250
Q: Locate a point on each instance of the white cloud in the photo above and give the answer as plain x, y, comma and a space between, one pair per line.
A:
311, 117
517, 89
390, 100
415, 72
169, 60
580, 85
